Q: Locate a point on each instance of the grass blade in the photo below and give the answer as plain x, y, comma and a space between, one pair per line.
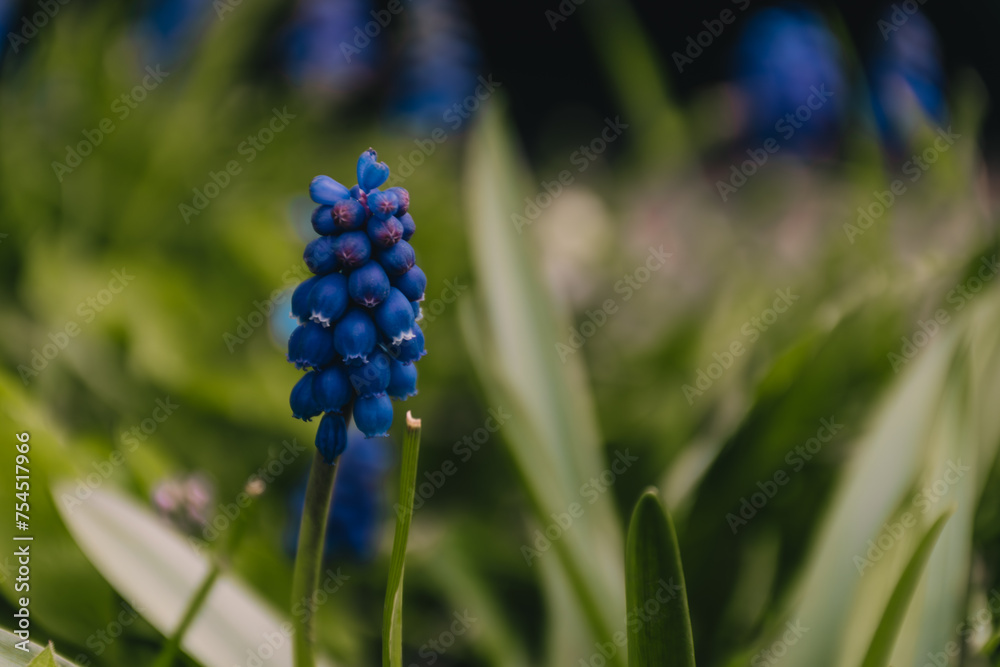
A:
653, 572
889, 457
880, 649
158, 571
12, 655
46, 658
632, 68
511, 326
392, 618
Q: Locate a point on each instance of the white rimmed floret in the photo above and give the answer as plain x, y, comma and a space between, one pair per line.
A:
318, 317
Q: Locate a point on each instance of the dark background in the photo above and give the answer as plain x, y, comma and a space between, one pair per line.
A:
558, 68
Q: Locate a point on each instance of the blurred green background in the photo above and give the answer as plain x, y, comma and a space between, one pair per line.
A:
600, 280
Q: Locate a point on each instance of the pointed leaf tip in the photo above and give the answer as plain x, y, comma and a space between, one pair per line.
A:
884, 640
654, 580
46, 658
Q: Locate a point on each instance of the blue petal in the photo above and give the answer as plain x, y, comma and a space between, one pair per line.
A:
328, 299
331, 437
322, 221
319, 255
371, 377
325, 190
412, 283
303, 398
354, 337
385, 233
369, 286
332, 389
383, 205
366, 159
349, 214
300, 299
410, 350
402, 380
352, 249
373, 415
375, 174
409, 226
394, 317
402, 198
311, 346
398, 259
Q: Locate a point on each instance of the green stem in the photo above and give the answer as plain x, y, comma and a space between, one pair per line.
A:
581, 584
228, 547
172, 647
309, 557
392, 618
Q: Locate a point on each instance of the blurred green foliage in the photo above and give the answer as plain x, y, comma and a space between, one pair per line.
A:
163, 337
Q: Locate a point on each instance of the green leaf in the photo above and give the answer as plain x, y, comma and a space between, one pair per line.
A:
652, 572
157, 571
46, 658
880, 650
632, 68
511, 328
392, 619
888, 459
35, 656
968, 433
453, 565
938, 414
69, 616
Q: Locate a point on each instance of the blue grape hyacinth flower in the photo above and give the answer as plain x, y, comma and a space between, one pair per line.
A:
169, 29
907, 80
357, 336
438, 71
319, 47
789, 65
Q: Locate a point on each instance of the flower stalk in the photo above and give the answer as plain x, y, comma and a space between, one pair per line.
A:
218, 560
357, 341
309, 557
392, 618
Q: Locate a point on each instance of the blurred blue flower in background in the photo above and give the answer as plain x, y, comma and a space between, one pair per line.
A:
282, 321
907, 79
169, 28
299, 210
8, 14
330, 47
439, 65
784, 56
358, 500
